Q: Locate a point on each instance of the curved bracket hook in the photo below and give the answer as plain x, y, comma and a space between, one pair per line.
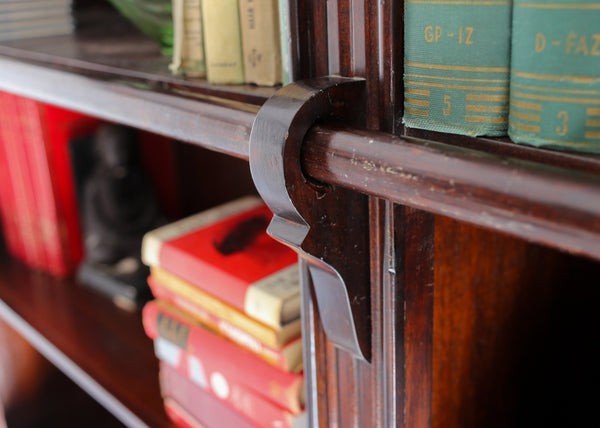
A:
327, 226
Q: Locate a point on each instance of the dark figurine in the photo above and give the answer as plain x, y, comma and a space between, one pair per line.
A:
118, 207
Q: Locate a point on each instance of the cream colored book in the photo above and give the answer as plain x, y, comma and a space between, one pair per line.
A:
260, 41
188, 43
209, 309
223, 42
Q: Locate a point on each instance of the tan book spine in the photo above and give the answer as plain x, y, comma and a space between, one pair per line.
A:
275, 338
188, 44
261, 42
224, 61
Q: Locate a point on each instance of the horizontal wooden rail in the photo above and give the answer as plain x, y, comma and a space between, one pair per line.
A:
539, 202
218, 124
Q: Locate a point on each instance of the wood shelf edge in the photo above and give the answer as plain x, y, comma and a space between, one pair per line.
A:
218, 124
69, 368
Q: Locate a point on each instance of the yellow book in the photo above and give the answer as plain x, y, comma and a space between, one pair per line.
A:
223, 42
260, 41
204, 302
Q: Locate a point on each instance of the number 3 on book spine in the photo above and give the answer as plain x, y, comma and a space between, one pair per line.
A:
555, 81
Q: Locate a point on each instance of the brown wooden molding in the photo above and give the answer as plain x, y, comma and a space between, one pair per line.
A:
327, 225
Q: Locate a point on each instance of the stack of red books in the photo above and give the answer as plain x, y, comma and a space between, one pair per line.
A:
226, 319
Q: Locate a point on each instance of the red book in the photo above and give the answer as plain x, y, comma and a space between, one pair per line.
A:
10, 221
190, 406
227, 253
254, 408
36, 137
24, 212
217, 354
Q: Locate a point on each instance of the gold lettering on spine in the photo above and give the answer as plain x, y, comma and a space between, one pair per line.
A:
563, 128
540, 42
447, 106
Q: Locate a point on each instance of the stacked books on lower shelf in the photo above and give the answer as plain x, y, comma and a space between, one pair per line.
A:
226, 319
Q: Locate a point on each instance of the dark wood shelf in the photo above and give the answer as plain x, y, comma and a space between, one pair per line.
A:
100, 347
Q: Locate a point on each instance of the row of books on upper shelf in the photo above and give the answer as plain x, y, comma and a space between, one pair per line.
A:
226, 41
529, 68
226, 319
232, 41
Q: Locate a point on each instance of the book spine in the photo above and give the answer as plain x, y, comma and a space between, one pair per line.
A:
188, 44
61, 127
271, 355
8, 205
32, 254
456, 66
252, 406
219, 355
285, 41
224, 59
175, 287
196, 405
555, 80
177, 414
261, 42
50, 224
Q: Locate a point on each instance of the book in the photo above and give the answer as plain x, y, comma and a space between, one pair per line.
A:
555, 80
227, 253
238, 365
195, 406
223, 43
180, 416
216, 313
24, 210
253, 407
286, 29
188, 41
261, 42
207, 408
456, 66
35, 137
287, 357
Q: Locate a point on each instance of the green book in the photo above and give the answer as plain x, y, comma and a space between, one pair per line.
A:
555, 76
456, 69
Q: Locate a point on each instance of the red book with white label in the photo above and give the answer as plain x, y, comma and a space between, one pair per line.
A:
227, 253
252, 407
218, 355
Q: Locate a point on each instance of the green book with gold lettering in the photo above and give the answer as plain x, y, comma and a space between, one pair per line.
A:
555, 76
456, 65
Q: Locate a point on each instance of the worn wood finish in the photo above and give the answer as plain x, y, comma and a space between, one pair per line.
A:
529, 204
222, 125
504, 313
542, 203
99, 346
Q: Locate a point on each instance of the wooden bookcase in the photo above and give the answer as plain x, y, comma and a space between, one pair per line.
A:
481, 256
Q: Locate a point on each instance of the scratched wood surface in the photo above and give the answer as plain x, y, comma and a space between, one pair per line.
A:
479, 317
